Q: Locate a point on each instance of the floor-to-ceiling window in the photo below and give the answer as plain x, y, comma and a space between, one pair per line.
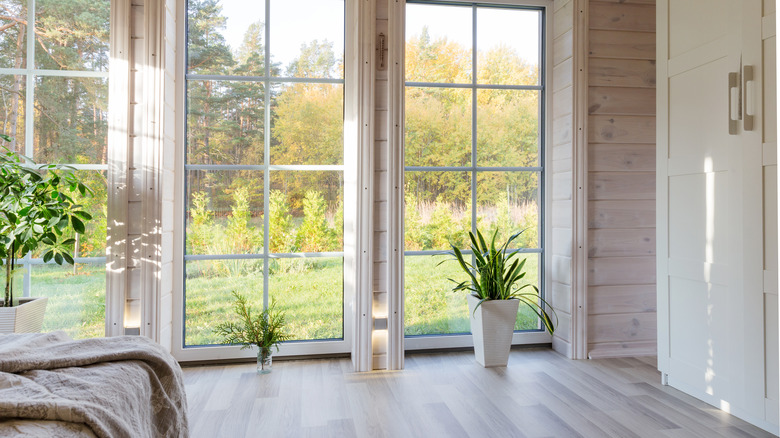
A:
264, 164
53, 104
474, 148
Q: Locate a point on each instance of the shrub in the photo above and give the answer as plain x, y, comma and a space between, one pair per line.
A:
314, 234
280, 223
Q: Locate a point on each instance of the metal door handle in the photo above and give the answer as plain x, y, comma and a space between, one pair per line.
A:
734, 102
748, 85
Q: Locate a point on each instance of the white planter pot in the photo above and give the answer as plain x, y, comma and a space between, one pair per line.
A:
24, 318
492, 326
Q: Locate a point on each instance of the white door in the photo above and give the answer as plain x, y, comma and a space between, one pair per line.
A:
710, 245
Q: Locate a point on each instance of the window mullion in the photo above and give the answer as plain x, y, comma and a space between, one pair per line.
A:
267, 153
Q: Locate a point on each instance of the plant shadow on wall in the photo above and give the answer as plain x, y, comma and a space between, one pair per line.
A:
38, 213
494, 293
264, 330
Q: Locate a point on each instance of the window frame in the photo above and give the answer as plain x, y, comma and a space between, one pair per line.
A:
348, 167
438, 341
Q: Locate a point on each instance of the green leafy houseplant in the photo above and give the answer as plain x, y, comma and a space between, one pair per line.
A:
264, 330
496, 275
37, 209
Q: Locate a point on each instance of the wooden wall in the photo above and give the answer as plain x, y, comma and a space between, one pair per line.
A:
621, 178
560, 175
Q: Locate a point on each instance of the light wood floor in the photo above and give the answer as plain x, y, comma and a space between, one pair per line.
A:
540, 394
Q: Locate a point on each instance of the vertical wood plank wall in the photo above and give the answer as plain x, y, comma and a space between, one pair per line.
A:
621, 178
561, 157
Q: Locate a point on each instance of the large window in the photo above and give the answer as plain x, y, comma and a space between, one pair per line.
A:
53, 103
265, 163
473, 149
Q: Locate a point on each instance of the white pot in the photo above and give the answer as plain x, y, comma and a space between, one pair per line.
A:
27, 317
492, 326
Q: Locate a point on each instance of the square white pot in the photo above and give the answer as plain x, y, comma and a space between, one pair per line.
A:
24, 318
492, 326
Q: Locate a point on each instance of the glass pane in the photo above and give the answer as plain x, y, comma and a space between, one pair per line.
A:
72, 35
311, 294
224, 212
13, 36
431, 308
508, 46
209, 295
438, 127
438, 43
308, 124
306, 211
226, 37
12, 99
509, 202
526, 318
437, 210
307, 38
508, 128
225, 121
93, 242
77, 298
71, 120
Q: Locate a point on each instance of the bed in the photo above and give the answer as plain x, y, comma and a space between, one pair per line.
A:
51, 385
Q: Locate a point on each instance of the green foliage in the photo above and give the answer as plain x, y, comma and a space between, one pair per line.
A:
36, 209
280, 223
265, 330
314, 235
496, 275
199, 233
243, 237
442, 228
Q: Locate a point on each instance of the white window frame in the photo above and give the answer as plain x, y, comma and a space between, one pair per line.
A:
350, 269
428, 342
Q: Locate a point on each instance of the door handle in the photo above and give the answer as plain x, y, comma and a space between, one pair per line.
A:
734, 102
748, 84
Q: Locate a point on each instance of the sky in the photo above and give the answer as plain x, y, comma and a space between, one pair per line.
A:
295, 22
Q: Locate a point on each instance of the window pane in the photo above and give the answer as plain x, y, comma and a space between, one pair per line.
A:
311, 294
224, 212
431, 308
307, 38
437, 210
508, 128
306, 211
13, 39
12, 99
438, 43
209, 295
77, 298
509, 202
226, 37
526, 318
71, 123
93, 242
72, 35
508, 46
225, 121
308, 124
437, 127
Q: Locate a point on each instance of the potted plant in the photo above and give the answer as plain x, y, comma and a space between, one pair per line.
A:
264, 330
495, 292
37, 210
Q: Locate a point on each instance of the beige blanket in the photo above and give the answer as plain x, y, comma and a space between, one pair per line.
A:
117, 387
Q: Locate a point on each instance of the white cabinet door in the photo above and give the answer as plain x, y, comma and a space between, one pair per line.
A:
710, 230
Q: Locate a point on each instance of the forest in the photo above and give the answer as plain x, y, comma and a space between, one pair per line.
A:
227, 124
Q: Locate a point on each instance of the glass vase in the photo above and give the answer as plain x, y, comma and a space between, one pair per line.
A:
264, 361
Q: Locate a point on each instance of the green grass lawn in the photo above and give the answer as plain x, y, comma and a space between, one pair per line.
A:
308, 291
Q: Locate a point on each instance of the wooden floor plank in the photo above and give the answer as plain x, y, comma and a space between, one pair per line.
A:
539, 394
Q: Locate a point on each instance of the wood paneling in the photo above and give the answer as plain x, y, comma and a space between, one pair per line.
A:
621, 299
622, 327
621, 185
621, 157
621, 100
563, 47
621, 129
621, 242
621, 214
622, 16
610, 271
621, 73
621, 44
